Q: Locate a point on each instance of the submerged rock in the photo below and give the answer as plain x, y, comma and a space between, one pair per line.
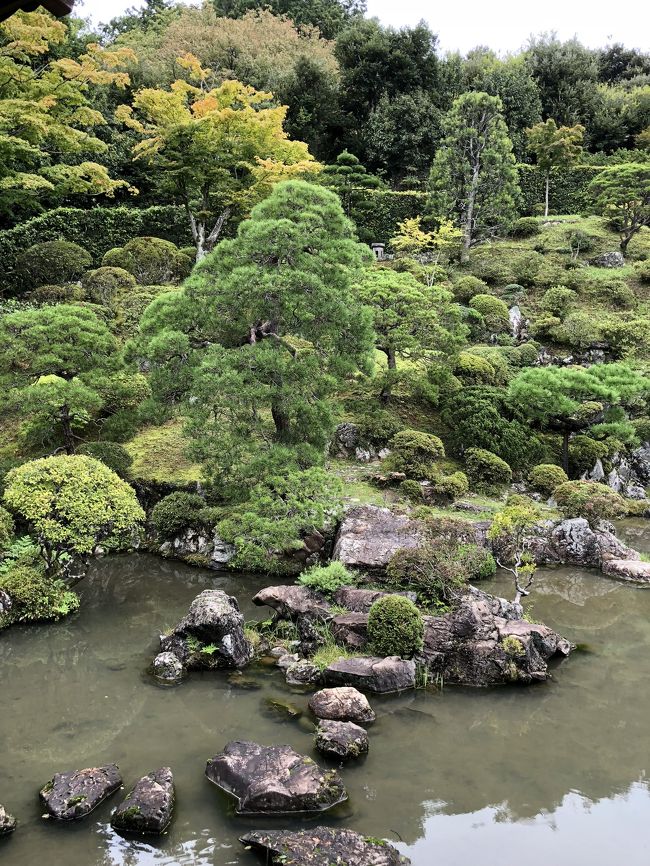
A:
149, 806
7, 822
391, 674
369, 536
75, 794
344, 704
274, 779
303, 673
341, 740
167, 667
323, 846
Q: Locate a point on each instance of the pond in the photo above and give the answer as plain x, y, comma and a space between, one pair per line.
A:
550, 773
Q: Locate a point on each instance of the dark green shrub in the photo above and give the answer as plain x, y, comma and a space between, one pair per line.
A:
415, 453
111, 454
493, 269
377, 428
486, 471
327, 578
557, 300
105, 283
546, 477
493, 310
580, 241
190, 252
451, 486
176, 512
52, 262
150, 260
472, 369
467, 287
58, 294
6, 528
583, 453
590, 500
395, 627
579, 330
36, 596
526, 267
642, 428
411, 489
615, 293
525, 227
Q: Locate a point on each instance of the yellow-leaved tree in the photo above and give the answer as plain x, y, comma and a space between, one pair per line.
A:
216, 149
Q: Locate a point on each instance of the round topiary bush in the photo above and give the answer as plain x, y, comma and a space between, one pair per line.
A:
493, 310
176, 512
52, 263
411, 489
590, 500
468, 287
150, 260
414, 453
111, 454
494, 269
642, 271
546, 477
474, 370
56, 294
451, 486
525, 227
395, 627
557, 300
486, 471
327, 578
104, 283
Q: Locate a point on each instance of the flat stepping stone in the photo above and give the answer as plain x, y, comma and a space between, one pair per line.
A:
274, 780
149, 806
374, 674
73, 795
323, 846
341, 740
7, 822
344, 704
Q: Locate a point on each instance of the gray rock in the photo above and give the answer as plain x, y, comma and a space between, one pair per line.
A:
291, 602
361, 600
274, 779
75, 794
287, 660
634, 571
640, 462
303, 673
344, 704
374, 674
7, 822
213, 621
613, 259
345, 440
350, 629
323, 846
222, 552
369, 536
341, 740
597, 473
167, 666
5, 602
574, 542
517, 322
149, 806
635, 491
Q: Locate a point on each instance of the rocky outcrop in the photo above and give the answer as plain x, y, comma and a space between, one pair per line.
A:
7, 822
350, 629
345, 704
361, 600
149, 806
369, 536
640, 463
323, 846
343, 741
345, 441
373, 674
574, 542
5, 602
485, 641
211, 635
73, 795
633, 570
274, 780
292, 602
168, 668
612, 259
192, 543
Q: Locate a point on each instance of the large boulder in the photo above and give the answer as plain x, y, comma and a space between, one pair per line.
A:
632, 570
323, 846
574, 542
485, 641
369, 536
612, 259
149, 806
7, 822
211, 635
341, 741
371, 673
361, 600
345, 704
345, 441
350, 629
640, 462
293, 602
274, 780
71, 795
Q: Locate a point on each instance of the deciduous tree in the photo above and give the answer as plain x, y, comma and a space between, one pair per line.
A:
554, 147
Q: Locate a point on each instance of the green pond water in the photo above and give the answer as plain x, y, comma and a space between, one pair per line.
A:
554, 773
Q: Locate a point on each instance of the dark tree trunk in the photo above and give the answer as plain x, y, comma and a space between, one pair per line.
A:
281, 421
68, 436
565, 450
385, 393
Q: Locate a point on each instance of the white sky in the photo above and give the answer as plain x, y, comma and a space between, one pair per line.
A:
503, 25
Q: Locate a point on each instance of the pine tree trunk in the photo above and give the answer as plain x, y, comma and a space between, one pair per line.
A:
565, 451
385, 393
281, 421
66, 424
548, 179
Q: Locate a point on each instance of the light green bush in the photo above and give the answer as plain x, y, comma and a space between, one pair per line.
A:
493, 310
486, 471
588, 499
557, 300
465, 288
546, 477
415, 453
525, 227
327, 578
150, 260
104, 284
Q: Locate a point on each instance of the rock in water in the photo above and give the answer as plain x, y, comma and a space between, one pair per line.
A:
149, 806
303, 673
369, 536
167, 667
372, 673
274, 780
344, 704
73, 795
323, 846
7, 822
342, 740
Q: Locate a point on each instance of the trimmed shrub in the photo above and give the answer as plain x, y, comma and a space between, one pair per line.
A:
588, 499
486, 471
415, 453
105, 283
546, 477
557, 300
452, 486
474, 370
642, 271
467, 287
395, 627
583, 453
52, 262
526, 267
176, 512
412, 490
580, 241
493, 310
493, 269
36, 596
615, 293
378, 427
150, 260
327, 578
525, 227
111, 454
57, 294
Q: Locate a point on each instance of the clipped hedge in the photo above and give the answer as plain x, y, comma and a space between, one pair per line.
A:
96, 230
567, 192
377, 212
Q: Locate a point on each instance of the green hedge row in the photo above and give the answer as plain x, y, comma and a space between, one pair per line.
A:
96, 230
567, 191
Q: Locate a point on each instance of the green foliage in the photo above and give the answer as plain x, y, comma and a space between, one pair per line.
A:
473, 369
545, 477
377, 427
415, 453
450, 486
493, 310
51, 262
496, 270
152, 261
588, 499
377, 213
557, 300
486, 471
554, 147
395, 627
6, 528
622, 194
568, 191
525, 227
35, 596
467, 287
642, 271
71, 503
411, 489
327, 578
111, 454
584, 452
104, 284
177, 512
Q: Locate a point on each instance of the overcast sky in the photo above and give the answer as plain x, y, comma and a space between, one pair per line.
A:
503, 25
